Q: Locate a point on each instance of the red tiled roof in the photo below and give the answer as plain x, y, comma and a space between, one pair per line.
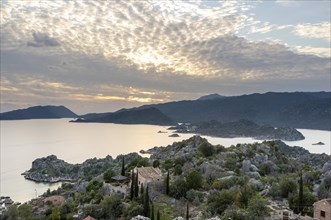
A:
89, 218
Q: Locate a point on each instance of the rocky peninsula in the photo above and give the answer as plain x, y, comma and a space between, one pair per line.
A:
241, 128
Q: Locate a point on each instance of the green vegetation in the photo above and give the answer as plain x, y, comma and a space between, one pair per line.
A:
232, 183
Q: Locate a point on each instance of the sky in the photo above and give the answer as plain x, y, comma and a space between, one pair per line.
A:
101, 56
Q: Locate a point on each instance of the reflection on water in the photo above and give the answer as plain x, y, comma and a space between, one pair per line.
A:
25, 140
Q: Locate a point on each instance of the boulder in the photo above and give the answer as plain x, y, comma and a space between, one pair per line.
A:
246, 165
326, 166
255, 175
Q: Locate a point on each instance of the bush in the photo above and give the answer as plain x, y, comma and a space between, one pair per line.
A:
194, 180
257, 207
218, 202
108, 175
287, 186
193, 195
206, 149
133, 210
178, 189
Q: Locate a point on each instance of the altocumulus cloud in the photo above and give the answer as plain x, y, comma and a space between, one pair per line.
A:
163, 50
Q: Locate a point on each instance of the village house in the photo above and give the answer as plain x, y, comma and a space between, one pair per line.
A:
148, 175
322, 209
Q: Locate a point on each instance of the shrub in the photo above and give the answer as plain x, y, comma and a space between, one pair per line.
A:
194, 180
207, 149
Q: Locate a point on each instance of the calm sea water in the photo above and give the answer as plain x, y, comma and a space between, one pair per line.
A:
25, 140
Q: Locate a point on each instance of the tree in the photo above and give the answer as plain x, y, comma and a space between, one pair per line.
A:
134, 209
156, 163
146, 203
287, 186
152, 212
158, 215
167, 183
123, 167
141, 190
178, 189
132, 185
206, 149
108, 175
112, 206
218, 202
187, 211
257, 206
25, 211
136, 186
56, 215
243, 196
194, 180
300, 199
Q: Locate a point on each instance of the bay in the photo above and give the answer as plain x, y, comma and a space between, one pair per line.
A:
25, 140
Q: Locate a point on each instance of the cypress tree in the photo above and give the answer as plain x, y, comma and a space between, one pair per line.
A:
187, 212
123, 167
136, 186
300, 199
142, 190
132, 185
167, 184
146, 203
158, 216
152, 212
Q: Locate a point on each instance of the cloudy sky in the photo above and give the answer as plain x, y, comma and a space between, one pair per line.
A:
98, 56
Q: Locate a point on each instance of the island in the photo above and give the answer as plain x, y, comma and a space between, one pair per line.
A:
319, 143
241, 128
39, 112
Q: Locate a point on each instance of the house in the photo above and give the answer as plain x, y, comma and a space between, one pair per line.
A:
148, 175
89, 218
322, 209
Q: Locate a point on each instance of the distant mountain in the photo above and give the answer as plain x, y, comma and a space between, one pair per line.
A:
211, 97
38, 112
311, 110
129, 116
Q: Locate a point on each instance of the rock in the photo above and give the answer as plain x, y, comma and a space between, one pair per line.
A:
318, 143
173, 135
139, 217
264, 192
257, 184
254, 168
259, 158
246, 165
214, 218
179, 218
264, 148
254, 175
326, 166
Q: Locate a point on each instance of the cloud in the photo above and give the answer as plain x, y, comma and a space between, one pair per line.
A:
318, 31
146, 51
42, 40
288, 3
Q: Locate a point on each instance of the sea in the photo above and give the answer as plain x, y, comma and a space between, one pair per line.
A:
23, 141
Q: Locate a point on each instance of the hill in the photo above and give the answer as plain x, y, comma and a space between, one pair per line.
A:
131, 116
310, 110
38, 112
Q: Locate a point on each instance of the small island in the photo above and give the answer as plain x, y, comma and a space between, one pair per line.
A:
241, 128
319, 143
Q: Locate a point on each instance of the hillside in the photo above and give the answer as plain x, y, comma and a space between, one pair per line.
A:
132, 116
251, 181
311, 110
38, 112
